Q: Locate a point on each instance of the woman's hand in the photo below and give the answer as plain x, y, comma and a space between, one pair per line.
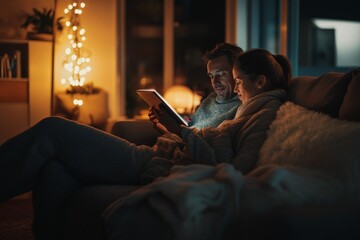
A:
153, 116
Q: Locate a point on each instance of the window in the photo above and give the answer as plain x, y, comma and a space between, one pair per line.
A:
196, 27
317, 36
329, 37
144, 50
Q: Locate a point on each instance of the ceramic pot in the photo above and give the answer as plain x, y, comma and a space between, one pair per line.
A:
39, 36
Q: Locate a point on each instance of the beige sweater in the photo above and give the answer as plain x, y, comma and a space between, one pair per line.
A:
236, 141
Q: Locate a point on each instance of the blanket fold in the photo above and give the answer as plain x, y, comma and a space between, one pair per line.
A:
199, 202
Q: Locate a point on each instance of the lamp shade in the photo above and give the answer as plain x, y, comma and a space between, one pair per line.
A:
182, 98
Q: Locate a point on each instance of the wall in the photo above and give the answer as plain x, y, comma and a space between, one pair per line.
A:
99, 20
12, 15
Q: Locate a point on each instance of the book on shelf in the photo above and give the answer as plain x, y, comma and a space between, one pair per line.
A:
17, 57
10, 66
5, 66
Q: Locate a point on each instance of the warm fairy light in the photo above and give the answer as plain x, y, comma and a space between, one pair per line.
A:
78, 102
77, 56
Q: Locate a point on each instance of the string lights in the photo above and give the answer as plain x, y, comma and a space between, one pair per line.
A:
77, 56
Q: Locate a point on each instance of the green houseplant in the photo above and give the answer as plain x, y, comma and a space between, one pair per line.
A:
40, 24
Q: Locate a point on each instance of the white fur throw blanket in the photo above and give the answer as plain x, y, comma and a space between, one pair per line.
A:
308, 158
303, 138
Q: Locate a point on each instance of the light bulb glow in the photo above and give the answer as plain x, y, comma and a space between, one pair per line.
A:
77, 56
78, 102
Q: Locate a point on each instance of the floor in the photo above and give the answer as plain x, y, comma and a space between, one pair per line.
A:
15, 218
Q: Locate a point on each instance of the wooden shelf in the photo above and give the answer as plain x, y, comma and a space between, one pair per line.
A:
10, 41
14, 90
25, 100
14, 79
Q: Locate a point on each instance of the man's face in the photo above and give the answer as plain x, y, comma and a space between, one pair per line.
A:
220, 72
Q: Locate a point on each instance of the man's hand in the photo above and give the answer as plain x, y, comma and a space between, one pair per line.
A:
153, 116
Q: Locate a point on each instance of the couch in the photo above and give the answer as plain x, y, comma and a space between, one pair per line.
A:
336, 95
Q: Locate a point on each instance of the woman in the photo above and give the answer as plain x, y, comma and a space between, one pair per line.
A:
88, 156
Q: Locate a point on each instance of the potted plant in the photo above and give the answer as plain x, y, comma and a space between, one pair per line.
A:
40, 24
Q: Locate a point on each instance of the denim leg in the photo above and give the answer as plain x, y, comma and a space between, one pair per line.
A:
89, 154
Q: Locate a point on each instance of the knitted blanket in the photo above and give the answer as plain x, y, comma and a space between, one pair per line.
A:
199, 202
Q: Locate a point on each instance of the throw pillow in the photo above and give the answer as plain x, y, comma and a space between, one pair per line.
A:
324, 93
350, 108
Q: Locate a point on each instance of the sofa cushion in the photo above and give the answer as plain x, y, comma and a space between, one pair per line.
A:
82, 213
350, 108
140, 132
324, 93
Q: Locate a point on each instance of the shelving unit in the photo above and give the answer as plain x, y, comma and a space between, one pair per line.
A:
25, 99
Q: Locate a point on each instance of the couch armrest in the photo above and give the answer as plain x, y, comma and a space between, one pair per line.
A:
140, 132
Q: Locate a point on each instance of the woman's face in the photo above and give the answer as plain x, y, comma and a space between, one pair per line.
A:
244, 87
220, 73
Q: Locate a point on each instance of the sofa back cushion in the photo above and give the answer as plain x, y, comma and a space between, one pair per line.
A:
350, 108
323, 94
139, 132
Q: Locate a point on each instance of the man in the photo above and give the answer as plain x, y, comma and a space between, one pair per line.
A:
223, 103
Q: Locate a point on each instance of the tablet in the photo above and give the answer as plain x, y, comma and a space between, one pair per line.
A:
154, 99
